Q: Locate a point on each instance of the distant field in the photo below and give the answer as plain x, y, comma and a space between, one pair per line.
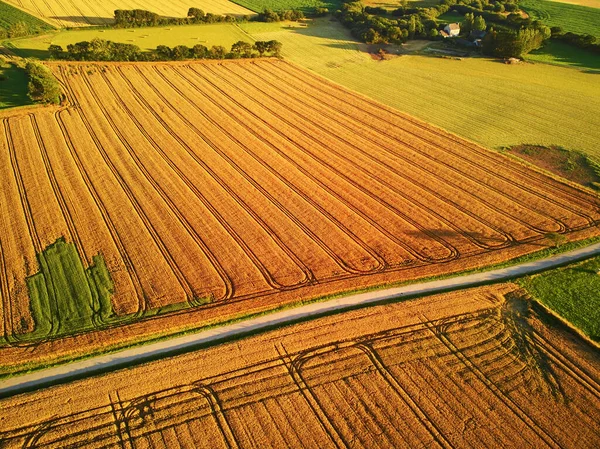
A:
77, 13
394, 4
574, 18
560, 53
13, 86
573, 292
472, 369
146, 38
278, 5
484, 100
590, 3
9, 16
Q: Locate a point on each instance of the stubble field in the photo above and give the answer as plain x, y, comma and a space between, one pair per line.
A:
68, 13
214, 190
477, 368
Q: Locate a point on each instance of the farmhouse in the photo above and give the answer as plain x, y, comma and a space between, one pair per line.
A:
451, 30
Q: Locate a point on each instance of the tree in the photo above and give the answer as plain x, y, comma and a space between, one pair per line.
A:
56, 51
163, 52
468, 22
479, 24
180, 52
195, 13
261, 47
43, 86
199, 51
217, 52
275, 48
242, 49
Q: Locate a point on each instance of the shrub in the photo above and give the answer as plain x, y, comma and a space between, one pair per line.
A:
43, 87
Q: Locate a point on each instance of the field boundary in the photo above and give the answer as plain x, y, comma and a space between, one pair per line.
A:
187, 343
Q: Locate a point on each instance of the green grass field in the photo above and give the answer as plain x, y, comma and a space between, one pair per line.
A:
224, 34
574, 18
561, 53
572, 292
485, 100
9, 16
450, 17
281, 5
13, 86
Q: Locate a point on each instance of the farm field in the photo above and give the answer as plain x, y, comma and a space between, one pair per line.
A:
511, 105
77, 13
560, 53
441, 371
575, 18
572, 292
11, 17
280, 5
147, 38
277, 187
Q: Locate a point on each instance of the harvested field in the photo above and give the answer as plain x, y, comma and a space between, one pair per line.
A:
77, 13
249, 185
477, 368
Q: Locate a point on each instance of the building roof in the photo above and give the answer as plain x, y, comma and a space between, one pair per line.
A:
453, 26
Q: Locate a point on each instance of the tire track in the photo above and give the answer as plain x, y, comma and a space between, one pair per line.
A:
508, 237
184, 282
527, 174
507, 401
342, 263
229, 229
438, 161
148, 225
453, 252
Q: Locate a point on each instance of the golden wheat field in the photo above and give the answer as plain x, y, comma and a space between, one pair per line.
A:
471, 369
213, 190
77, 13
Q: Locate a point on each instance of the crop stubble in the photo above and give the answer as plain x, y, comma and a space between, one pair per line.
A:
476, 368
77, 13
255, 184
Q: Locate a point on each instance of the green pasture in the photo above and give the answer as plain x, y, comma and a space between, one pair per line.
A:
561, 53
482, 99
13, 86
572, 292
575, 18
224, 34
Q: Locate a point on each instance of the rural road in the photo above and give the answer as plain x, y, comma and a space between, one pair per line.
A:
133, 356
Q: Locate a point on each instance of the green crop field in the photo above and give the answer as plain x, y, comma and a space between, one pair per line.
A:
146, 38
13, 86
572, 292
280, 5
561, 53
11, 16
485, 100
574, 18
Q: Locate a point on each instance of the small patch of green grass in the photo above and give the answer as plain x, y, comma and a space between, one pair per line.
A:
13, 86
561, 53
451, 17
573, 292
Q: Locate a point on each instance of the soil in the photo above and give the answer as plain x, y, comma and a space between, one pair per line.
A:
570, 165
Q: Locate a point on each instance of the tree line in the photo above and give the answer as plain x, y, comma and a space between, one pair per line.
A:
43, 87
135, 18
105, 50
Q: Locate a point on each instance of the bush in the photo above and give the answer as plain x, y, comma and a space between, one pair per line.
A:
43, 87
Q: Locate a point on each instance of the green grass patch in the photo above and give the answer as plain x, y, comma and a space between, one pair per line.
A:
573, 292
13, 86
225, 34
282, 5
482, 99
451, 17
573, 18
13, 20
561, 53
